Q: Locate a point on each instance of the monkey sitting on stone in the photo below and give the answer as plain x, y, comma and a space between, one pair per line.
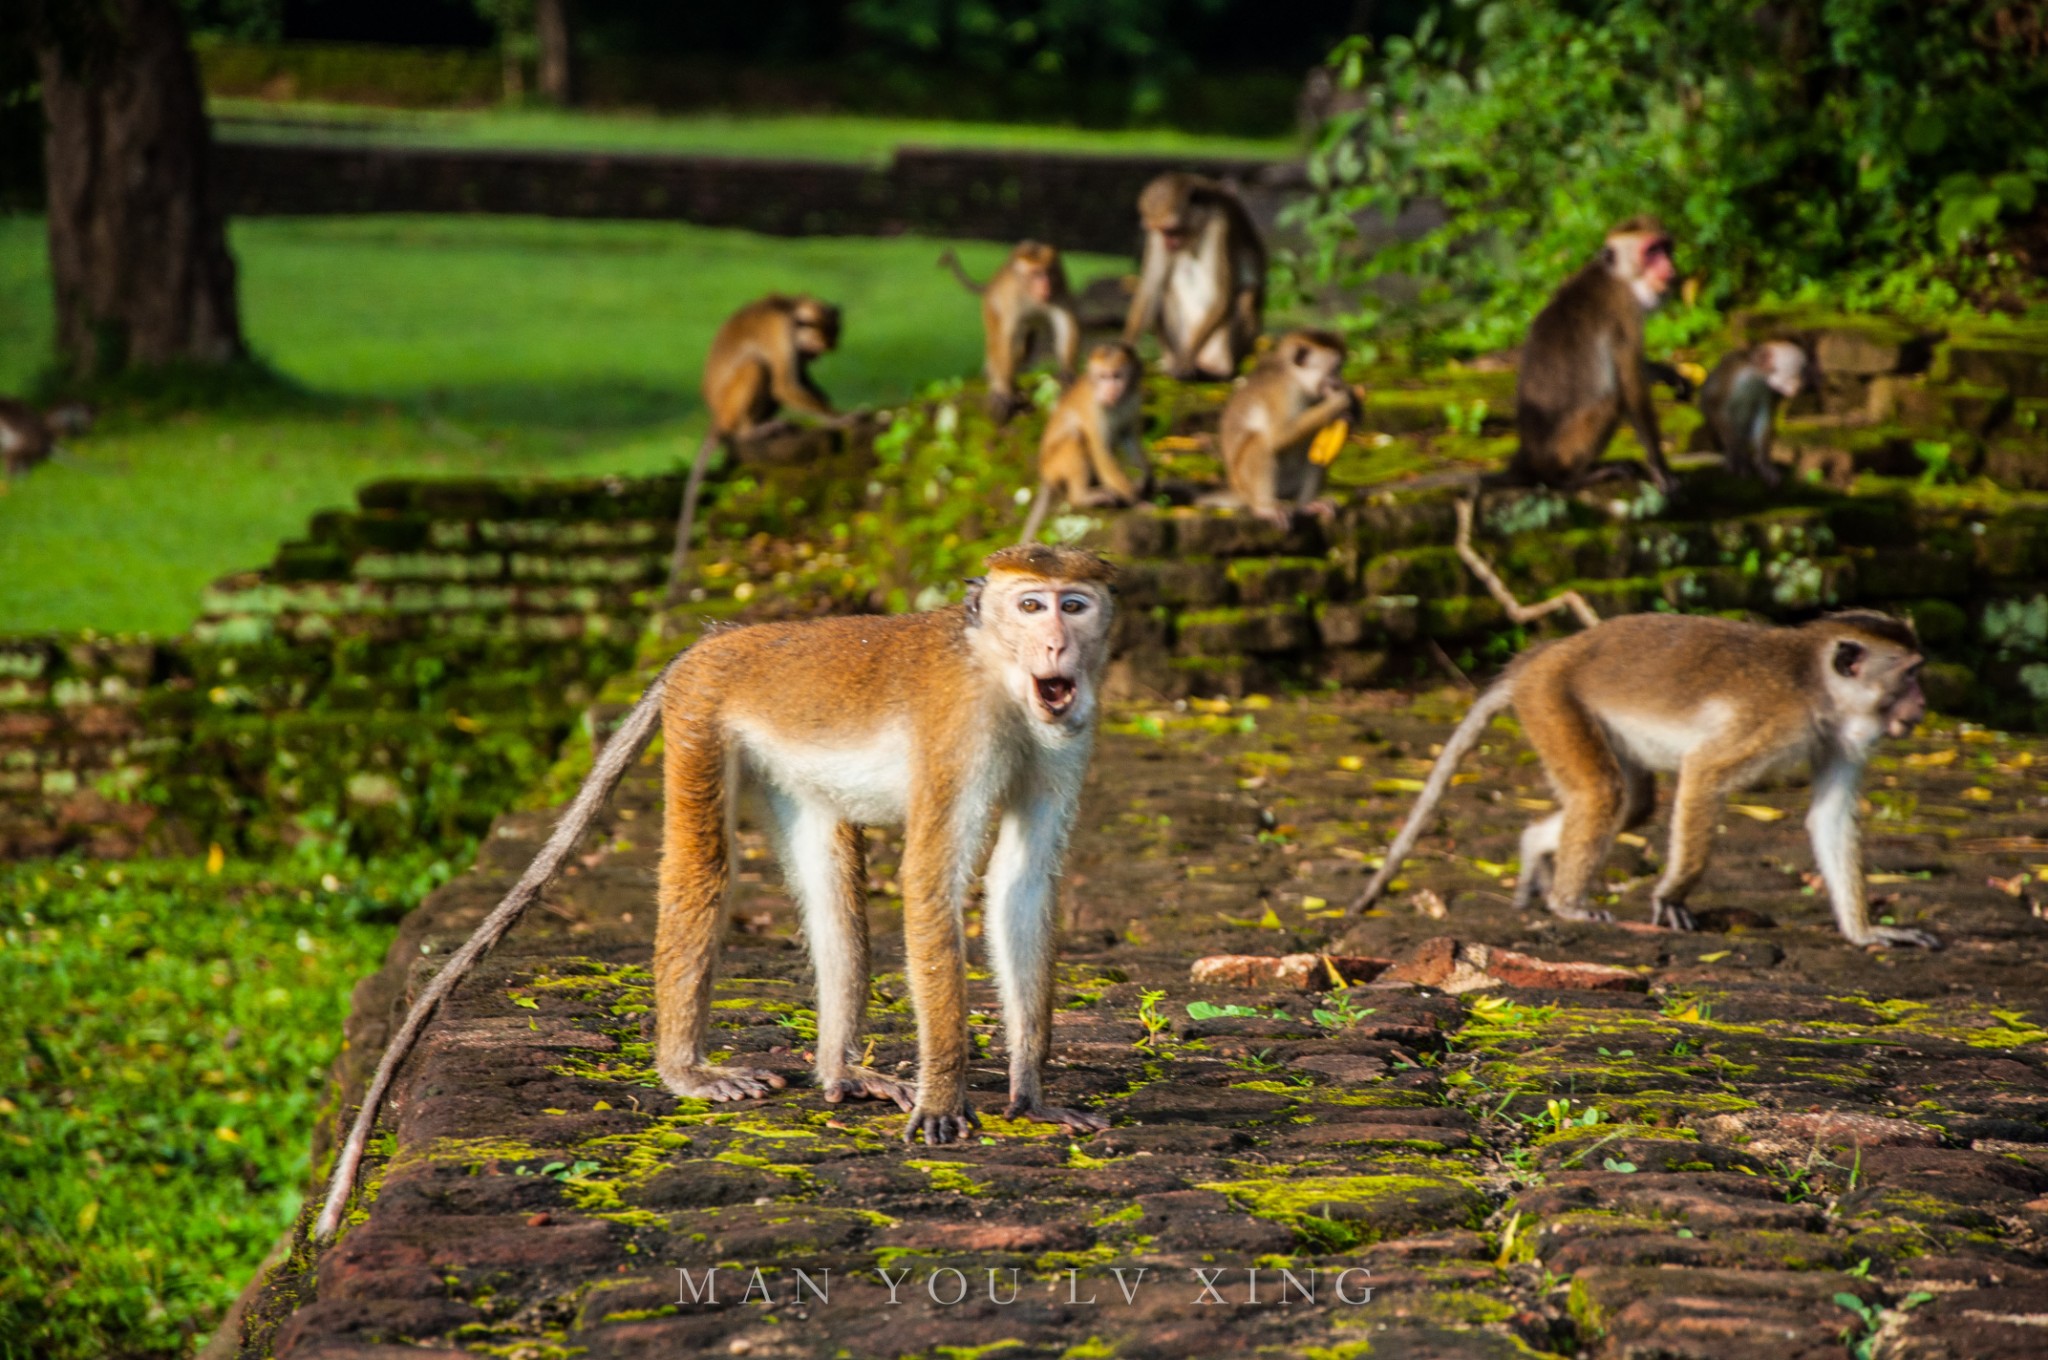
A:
1739, 405
1271, 424
1722, 705
1027, 298
1093, 442
1583, 368
1202, 282
954, 722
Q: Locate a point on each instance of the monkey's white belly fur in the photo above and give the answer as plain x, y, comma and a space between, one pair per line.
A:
865, 779
1663, 743
1190, 295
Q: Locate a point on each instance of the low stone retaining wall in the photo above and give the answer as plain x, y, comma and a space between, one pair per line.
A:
1079, 202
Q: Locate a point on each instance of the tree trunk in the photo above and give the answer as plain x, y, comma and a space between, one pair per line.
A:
555, 33
138, 248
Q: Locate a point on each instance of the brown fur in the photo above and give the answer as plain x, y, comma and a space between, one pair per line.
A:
1583, 368
1726, 704
1188, 216
1739, 405
1272, 418
938, 683
29, 436
1100, 416
759, 362
1026, 297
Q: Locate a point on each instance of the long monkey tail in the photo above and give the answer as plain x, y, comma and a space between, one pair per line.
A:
610, 766
948, 260
1496, 698
686, 520
1036, 519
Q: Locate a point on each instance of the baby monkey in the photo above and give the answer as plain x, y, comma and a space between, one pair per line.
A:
1721, 704
954, 722
1093, 433
1739, 405
1270, 428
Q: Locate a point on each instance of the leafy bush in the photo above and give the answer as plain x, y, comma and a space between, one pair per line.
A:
166, 1029
1865, 146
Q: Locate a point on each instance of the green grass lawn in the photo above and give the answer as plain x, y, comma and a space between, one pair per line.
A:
825, 137
165, 1037
436, 345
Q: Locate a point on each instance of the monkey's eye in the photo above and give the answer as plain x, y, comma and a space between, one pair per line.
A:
1031, 604
1073, 604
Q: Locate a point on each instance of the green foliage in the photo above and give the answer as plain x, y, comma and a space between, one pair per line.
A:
165, 1038
1863, 145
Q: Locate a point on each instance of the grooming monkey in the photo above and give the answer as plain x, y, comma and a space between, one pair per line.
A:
1583, 368
1099, 420
1273, 417
1723, 705
1203, 278
1026, 298
948, 721
29, 436
759, 363
1739, 405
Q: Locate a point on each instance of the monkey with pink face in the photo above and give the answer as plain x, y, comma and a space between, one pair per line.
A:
1583, 368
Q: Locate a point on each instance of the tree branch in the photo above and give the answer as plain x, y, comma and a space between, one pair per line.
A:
1517, 611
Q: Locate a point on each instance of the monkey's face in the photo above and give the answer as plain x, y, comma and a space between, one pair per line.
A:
817, 328
1874, 677
1318, 368
1112, 377
1163, 209
1643, 261
1047, 640
1784, 367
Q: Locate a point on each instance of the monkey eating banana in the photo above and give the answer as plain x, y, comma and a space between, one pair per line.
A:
948, 722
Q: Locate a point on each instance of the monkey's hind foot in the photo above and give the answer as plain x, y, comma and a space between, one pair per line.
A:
861, 1084
1594, 914
939, 1129
1074, 1121
1671, 916
709, 1081
1890, 935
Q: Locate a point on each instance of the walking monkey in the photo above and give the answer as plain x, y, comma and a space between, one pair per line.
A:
1721, 704
949, 721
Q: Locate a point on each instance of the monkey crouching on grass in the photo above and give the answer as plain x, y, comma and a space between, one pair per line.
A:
1276, 429
1722, 705
1027, 298
759, 362
1093, 443
1739, 405
950, 722
1583, 368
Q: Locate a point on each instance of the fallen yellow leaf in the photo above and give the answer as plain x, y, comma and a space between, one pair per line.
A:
216, 858
1352, 763
1924, 759
1980, 794
1397, 786
1758, 811
1716, 956
1535, 805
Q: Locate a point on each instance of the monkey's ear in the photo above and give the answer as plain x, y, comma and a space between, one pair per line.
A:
1849, 657
973, 601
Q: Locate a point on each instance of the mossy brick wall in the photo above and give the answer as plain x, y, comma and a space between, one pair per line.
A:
404, 671
1218, 604
1083, 202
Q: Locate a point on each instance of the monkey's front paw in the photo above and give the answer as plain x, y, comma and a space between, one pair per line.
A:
939, 1129
1074, 1121
1671, 916
861, 1084
709, 1081
1884, 935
